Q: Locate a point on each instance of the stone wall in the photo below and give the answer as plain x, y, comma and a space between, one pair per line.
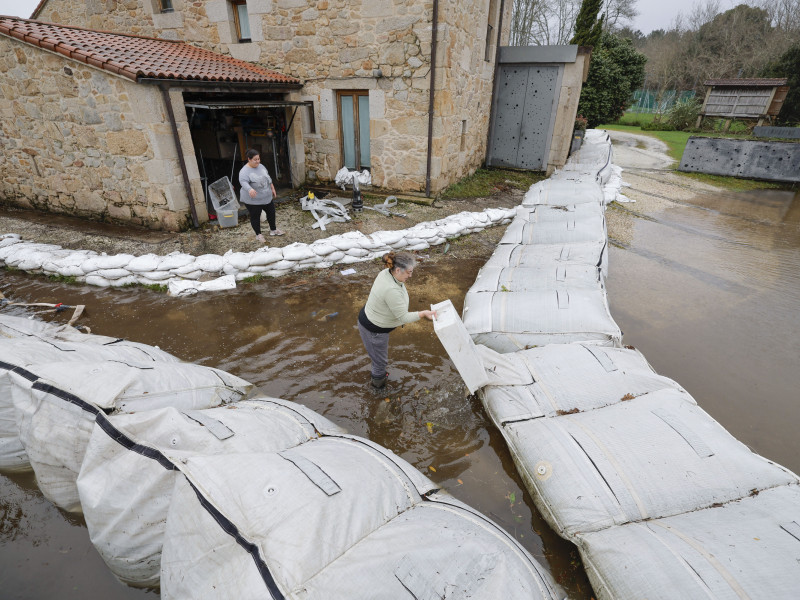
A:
81, 141
383, 46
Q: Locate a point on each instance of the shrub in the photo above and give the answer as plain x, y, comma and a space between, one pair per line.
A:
683, 115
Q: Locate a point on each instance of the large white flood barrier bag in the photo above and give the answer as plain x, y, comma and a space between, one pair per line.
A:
18, 354
560, 192
749, 548
539, 278
511, 321
128, 473
334, 518
585, 253
569, 378
21, 327
654, 456
563, 231
56, 418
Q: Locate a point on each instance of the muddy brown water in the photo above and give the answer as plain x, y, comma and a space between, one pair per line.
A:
708, 290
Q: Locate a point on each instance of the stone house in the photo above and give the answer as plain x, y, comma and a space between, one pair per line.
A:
366, 70
95, 124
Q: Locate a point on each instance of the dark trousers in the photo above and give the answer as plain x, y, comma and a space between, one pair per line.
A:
377, 347
255, 215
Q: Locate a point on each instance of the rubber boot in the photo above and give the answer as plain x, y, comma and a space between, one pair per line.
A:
379, 382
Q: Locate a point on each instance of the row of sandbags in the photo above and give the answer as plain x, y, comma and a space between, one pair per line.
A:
125, 269
545, 282
660, 499
189, 479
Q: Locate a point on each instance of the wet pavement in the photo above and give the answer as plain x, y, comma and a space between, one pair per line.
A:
706, 288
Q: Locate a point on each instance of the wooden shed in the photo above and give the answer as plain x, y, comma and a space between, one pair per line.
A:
743, 99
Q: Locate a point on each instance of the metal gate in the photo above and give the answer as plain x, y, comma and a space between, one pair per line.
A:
523, 116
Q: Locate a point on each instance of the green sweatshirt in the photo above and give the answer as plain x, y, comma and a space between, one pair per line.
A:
387, 305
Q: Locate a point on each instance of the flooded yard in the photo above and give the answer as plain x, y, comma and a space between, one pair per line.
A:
707, 288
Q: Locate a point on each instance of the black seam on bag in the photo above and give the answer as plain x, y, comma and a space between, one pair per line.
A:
127, 443
67, 397
229, 528
19, 371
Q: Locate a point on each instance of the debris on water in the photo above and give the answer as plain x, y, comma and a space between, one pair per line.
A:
348, 272
332, 315
446, 248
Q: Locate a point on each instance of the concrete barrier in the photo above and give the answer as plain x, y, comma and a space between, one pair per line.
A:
786, 133
772, 161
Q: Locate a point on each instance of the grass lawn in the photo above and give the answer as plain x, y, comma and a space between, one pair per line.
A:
485, 182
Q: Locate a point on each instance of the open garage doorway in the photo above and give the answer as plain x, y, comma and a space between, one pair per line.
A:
224, 127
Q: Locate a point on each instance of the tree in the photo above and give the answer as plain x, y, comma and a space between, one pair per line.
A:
535, 22
615, 72
588, 28
788, 66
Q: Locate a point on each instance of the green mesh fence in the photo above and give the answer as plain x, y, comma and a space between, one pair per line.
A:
650, 101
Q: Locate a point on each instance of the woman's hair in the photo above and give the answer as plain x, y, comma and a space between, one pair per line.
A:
252, 153
401, 260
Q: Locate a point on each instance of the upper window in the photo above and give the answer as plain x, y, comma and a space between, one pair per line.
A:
165, 6
241, 19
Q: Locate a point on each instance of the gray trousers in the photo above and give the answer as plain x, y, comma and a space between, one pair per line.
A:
377, 346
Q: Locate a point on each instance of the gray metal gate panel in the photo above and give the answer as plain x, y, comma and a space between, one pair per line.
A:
523, 113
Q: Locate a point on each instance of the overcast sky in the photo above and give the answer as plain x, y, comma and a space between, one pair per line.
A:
654, 14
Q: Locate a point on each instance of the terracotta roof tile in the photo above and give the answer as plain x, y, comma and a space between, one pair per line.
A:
136, 56
745, 82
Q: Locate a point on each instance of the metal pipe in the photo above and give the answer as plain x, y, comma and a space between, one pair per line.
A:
434, 32
495, 83
187, 186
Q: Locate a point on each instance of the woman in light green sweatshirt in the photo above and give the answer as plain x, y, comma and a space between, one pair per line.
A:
387, 308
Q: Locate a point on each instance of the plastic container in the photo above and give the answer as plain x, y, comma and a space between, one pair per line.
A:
223, 198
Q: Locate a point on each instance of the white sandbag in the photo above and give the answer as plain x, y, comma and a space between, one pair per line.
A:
70, 271
586, 253
124, 281
297, 252
145, 262
266, 256
127, 476
654, 456
357, 252
348, 240
263, 516
555, 192
568, 231
97, 281
322, 248
511, 321
55, 420
112, 273
743, 549
571, 378
388, 238
175, 260
187, 268
238, 260
210, 263
156, 276
527, 279
178, 287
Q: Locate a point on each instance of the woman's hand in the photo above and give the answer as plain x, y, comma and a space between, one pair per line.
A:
427, 314
253, 193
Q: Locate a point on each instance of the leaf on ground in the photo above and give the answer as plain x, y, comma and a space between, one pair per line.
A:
432, 469
429, 425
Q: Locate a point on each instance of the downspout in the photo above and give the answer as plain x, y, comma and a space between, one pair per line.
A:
430, 97
495, 83
187, 186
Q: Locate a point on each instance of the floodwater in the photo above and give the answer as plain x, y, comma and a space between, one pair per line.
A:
707, 289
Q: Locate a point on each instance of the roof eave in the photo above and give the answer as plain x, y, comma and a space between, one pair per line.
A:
214, 83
